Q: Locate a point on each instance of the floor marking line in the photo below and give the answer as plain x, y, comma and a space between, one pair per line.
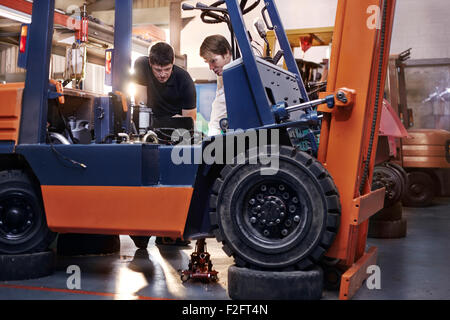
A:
104, 294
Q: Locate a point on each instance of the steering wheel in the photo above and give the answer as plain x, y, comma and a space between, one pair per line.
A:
212, 17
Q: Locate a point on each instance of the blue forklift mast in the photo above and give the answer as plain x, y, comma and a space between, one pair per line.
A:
35, 96
260, 85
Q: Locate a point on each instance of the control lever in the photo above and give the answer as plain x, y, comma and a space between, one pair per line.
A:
261, 29
278, 56
187, 6
281, 110
204, 7
201, 5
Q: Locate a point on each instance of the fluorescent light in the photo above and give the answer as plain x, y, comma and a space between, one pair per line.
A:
14, 15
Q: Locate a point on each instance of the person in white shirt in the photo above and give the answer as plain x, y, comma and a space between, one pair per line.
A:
216, 51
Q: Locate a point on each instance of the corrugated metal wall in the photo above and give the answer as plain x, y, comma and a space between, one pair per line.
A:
57, 65
8, 61
95, 75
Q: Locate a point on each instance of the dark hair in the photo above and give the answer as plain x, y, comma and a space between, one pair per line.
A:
161, 54
216, 44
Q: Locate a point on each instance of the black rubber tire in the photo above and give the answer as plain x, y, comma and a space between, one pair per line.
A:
23, 225
26, 266
74, 244
317, 203
248, 284
140, 241
332, 277
419, 191
403, 177
387, 229
392, 213
401, 170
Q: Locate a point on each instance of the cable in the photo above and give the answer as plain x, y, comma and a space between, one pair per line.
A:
257, 50
63, 157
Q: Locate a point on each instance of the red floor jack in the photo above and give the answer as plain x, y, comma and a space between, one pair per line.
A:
200, 266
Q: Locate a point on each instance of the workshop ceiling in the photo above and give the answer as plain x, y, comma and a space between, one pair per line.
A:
155, 12
149, 18
94, 6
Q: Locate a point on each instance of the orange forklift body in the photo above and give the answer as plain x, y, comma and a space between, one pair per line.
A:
426, 148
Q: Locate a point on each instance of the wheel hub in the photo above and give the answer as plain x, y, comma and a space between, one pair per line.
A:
271, 209
416, 188
16, 217
274, 210
390, 179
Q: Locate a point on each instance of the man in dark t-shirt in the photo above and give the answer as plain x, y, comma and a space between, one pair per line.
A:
170, 92
162, 86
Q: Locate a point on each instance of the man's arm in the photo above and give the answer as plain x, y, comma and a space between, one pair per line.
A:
190, 113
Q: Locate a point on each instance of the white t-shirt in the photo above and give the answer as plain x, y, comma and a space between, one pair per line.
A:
219, 110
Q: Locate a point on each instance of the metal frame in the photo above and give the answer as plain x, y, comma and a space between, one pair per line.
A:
27, 7
285, 46
250, 64
241, 34
345, 135
35, 96
123, 31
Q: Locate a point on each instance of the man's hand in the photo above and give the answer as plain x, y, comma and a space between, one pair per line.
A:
190, 113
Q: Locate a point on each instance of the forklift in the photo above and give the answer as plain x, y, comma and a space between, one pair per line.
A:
306, 206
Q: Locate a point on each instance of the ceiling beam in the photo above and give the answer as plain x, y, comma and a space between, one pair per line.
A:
101, 5
157, 16
7, 23
27, 7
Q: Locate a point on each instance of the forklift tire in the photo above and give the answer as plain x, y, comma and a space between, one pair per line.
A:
23, 226
387, 229
284, 221
419, 191
26, 266
140, 241
248, 284
392, 213
72, 244
332, 276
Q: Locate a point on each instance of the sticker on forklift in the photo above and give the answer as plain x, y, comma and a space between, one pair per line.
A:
230, 309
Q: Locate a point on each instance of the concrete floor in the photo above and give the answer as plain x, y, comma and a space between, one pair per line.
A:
415, 267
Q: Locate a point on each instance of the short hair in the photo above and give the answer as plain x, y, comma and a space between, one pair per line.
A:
161, 54
216, 44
